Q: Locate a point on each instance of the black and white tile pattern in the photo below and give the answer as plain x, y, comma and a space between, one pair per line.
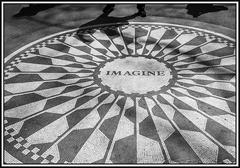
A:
58, 110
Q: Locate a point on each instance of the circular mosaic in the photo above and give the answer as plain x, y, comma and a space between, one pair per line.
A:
136, 93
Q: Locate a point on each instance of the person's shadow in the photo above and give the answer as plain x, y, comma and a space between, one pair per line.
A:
102, 20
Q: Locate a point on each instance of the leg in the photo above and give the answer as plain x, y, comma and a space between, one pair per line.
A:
140, 7
141, 10
108, 8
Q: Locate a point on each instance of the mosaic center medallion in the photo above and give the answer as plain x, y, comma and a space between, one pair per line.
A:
135, 75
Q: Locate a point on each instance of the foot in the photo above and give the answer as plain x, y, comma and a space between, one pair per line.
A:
203, 9
217, 8
142, 13
195, 13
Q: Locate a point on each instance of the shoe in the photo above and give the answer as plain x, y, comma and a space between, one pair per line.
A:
195, 13
142, 13
217, 8
203, 9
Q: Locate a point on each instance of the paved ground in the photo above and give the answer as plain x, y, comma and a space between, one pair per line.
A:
146, 90
21, 31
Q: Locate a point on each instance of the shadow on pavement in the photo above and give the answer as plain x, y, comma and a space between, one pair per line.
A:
52, 19
102, 20
33, 9
105, 19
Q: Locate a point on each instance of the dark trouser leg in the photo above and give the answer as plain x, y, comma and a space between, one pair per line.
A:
110, 5
141, 10
108, 8
141, 7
